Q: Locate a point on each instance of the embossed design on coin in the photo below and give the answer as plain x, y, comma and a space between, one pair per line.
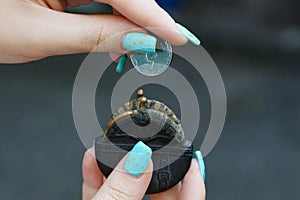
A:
153, 64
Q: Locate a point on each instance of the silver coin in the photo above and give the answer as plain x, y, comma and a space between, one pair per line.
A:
153, 64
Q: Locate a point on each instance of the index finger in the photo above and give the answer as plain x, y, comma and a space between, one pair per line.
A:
148, 14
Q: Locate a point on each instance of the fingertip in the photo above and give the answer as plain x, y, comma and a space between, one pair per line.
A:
114, 56
179, 40
170, 34
188, 34
199, 157
194, 171
120, 169
122, 185
193, 184
193, 174
194, 168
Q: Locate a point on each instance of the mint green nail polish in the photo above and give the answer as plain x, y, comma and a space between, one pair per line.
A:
139, 42
121, 63
138, 159
199, 157
188, 34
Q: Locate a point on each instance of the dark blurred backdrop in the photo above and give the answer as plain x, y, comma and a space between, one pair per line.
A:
255, 44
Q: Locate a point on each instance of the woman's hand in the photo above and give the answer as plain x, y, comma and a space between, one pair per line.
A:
122, 185
34, 29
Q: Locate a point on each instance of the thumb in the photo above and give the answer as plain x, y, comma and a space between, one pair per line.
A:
131, 177
65, 33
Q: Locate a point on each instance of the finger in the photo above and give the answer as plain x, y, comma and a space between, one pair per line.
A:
55, 5
61, 5
170, 194
114, 56
77, 2
148, 14
115, 12
92, 176
193, 184
56, 33
131, 178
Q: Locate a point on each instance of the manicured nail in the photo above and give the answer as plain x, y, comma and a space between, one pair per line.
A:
188, 34
121, 63
139, 42
138, 159
199, 157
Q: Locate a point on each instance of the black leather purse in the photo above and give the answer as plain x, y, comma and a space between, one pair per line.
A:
172, 152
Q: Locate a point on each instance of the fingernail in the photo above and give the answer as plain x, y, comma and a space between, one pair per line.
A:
121, 63
139, 42
200, 160
188, 34
138, 159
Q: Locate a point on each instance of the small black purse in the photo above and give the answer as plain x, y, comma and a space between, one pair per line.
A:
172, 152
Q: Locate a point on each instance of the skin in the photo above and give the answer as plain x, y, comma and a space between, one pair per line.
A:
121, 185
35, 29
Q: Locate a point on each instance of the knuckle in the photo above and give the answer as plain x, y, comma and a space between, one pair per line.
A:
94, 37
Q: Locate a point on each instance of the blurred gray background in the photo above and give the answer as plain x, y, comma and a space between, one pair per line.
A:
255, 44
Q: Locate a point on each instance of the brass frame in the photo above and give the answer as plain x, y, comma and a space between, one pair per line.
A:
113, 120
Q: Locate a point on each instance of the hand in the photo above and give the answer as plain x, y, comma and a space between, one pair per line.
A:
121, 185
34, 29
